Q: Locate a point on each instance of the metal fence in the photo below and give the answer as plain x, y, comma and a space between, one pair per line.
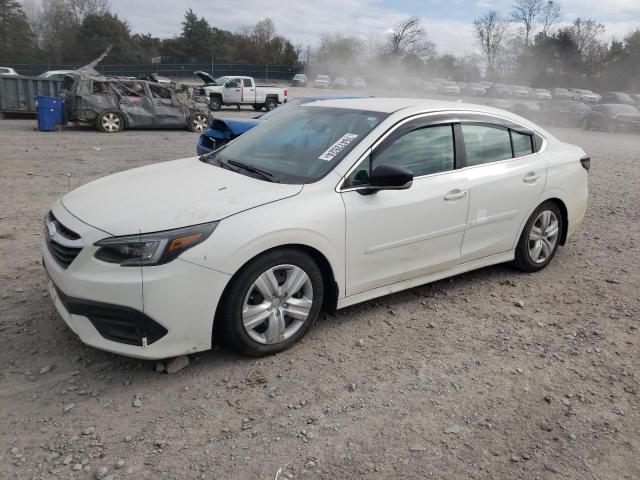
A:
275, 72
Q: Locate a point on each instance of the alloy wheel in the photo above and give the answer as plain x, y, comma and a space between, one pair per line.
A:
200, 123
277, 304
111, 122
543, 236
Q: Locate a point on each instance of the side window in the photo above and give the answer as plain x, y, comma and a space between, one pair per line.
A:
522, 144
247, 82
486, 143
99, 88
422, 151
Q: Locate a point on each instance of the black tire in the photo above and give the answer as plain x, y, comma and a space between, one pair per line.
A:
110, 121
198, 122
257, 108
229, 318
270, 104
523, 260
215, 103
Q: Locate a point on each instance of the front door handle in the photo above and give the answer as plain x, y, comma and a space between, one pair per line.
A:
531, 177
455, 194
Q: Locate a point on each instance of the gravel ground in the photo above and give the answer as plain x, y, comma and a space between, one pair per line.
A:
492, 374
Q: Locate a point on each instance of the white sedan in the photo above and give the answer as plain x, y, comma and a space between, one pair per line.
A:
332, 203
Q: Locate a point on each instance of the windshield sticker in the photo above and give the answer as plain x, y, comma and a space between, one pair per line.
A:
337, 147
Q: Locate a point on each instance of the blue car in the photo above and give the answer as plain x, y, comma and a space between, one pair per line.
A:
223, 130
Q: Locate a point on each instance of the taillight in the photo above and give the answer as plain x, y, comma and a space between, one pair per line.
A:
586, 163
285, 92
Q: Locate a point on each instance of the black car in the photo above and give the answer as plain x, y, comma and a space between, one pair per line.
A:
613, 117
617, 97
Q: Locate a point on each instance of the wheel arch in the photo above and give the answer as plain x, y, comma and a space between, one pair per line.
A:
332, 290
561, 204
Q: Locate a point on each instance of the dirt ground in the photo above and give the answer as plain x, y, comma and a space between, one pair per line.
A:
493, 374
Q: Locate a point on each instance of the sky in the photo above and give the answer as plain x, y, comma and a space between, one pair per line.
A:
448, 22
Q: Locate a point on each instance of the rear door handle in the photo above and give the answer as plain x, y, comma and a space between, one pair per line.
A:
531, 177
455, 194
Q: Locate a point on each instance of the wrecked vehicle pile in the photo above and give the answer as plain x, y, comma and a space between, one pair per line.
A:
112, 104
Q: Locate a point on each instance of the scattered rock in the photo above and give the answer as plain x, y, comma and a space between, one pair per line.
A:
137, 401
89, 431
519, 303
417, 448
352, 387
176, 364
67, 460
515, 458
360, 343
546, 426
101, 472
68, 407
310, 464
46, 369
119, 463
452, 429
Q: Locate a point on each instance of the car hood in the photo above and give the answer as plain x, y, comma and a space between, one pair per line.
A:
169, 195
205, 77
229, 128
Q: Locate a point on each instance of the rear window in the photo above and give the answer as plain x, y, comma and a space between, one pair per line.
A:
486, 143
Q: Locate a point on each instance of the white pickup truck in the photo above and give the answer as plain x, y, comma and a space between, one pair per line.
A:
238, 90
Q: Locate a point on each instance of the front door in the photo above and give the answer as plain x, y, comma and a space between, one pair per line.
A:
395, 235
169, 110
233, 91
135, 103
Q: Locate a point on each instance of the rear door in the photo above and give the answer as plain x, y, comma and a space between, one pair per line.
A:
248, 91
506, 178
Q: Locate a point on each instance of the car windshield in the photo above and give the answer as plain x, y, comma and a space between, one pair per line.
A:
296, 102
622, 108
322, 77
301, 145
222, 80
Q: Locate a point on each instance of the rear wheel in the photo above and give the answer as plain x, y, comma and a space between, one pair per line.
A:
539, 239
110, 122
271, 303
270, 104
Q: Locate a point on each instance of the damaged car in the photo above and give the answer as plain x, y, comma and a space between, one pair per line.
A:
112, 104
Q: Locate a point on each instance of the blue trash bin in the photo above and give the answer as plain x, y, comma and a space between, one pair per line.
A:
49, 112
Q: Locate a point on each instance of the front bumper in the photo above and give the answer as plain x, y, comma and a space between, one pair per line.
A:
151, 312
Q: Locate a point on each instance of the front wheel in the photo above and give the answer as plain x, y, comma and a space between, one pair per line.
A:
215, 103
198, 122
271, 303
259, 107
539, 239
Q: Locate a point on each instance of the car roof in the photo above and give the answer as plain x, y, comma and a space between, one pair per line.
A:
390, 105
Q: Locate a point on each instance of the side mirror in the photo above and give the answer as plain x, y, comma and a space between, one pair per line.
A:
388, 177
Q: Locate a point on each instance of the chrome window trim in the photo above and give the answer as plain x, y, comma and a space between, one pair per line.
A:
454, 117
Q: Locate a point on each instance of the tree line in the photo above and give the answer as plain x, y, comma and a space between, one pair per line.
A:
529, 46
76, 31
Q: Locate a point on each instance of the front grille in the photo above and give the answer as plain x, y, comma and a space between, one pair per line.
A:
63, 244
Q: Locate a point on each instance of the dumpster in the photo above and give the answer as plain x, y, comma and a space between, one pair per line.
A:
49, 113
17, 94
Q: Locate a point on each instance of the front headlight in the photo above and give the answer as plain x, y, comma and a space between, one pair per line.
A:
152, 248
